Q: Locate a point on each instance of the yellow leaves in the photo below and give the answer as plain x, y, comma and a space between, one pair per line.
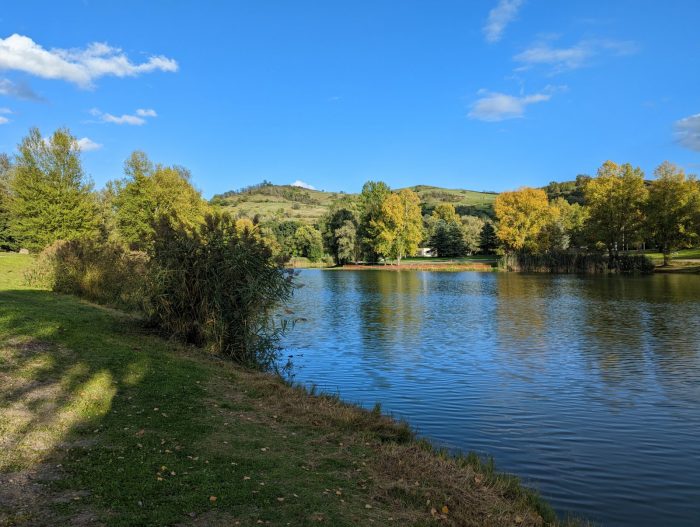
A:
445, 212
400, 227
212, 499
441, 514
522, 214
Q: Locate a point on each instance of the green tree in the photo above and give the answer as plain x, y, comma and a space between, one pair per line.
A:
346, 243
341, 213
472, 227
573, 220
447, 239
309, 243
671, 209
51, 199
488, 241
150, 192
371, 201
522, 215
615, 199
284, 234
400, 227
7, 241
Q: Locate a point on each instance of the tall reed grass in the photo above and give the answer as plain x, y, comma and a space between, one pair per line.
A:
575, 262
217, 287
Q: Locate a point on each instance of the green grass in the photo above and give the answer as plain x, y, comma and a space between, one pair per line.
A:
103, 422
480, 201
682, 254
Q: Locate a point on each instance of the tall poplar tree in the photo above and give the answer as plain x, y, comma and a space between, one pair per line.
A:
400, 227
371, 201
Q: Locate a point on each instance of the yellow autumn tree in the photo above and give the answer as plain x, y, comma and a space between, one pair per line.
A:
400, 226
446, 212
522, 215
615, 200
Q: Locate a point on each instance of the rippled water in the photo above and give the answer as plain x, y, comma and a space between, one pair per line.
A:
586, 387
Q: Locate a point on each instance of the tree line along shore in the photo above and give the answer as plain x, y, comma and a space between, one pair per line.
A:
590, 224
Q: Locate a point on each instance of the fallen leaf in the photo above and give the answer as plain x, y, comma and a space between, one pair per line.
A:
212, 498
445, 510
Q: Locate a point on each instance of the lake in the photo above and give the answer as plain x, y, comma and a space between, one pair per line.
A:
588, 388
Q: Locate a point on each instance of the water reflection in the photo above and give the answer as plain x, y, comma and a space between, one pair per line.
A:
588, 387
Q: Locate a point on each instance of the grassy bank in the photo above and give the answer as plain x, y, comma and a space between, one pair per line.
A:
103, 423
682, 261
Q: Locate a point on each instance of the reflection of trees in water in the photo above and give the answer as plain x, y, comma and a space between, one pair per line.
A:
618, 326
522, 311
337, 295
630, 321
391, 311
613, 329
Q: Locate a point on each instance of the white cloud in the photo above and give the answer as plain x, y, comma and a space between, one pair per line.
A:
130, 119
688, 132
147, 112
573, 57
499, 17
300, 183
4, 120
6, 111
494, 106
87, 145
79, 66
20, 90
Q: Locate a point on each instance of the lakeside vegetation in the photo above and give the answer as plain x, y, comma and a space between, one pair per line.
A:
616, 213
106, 422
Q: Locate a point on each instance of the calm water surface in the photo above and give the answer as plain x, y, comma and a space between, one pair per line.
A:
586, 387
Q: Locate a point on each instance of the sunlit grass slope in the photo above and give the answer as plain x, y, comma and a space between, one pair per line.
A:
287, 202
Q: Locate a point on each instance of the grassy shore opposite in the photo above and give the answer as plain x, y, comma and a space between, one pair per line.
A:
105, 423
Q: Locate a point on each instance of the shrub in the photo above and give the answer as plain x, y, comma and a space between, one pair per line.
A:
217, 287
107, 273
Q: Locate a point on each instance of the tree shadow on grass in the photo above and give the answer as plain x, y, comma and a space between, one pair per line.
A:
88, 399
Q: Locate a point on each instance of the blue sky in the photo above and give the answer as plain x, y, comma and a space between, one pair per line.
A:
485, 95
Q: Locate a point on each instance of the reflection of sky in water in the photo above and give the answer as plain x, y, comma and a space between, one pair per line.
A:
587, 387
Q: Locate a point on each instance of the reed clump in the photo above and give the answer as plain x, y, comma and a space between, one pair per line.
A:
215, 286
569, 262
218, 287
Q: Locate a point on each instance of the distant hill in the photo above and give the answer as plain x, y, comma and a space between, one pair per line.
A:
270, 201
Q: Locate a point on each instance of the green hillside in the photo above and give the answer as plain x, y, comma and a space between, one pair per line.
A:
288, 202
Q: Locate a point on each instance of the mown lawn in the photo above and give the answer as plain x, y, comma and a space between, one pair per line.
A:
683, 254
102, 422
